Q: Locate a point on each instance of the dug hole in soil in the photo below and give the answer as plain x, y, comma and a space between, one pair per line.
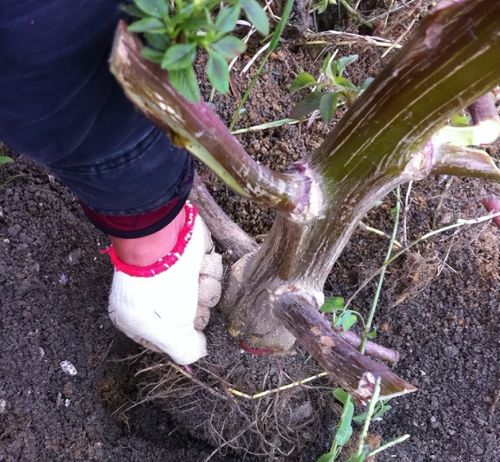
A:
439, 308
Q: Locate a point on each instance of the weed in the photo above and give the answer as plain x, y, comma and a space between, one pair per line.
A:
175, 30
345, 318
328, 89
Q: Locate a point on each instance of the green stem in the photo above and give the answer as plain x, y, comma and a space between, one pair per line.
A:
388, 445
274, 43
369, 415
373, 307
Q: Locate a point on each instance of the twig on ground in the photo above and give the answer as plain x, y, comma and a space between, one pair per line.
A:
261, 394
388, 13
272, 46
319, 38
378, 232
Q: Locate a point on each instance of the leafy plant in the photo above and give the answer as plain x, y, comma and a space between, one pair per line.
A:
344, 431
175, 30
343, 318
329, 89
381, 408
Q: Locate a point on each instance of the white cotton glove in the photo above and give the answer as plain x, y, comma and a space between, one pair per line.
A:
165, 305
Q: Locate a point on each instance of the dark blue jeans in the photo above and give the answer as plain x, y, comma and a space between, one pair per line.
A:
60, 106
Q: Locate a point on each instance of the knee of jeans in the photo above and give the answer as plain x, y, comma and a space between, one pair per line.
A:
137, 181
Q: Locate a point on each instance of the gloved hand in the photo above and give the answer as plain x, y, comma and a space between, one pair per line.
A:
164, 306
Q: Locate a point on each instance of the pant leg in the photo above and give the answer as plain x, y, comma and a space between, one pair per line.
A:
60, 105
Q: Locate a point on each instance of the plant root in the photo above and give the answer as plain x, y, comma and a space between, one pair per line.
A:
279, 420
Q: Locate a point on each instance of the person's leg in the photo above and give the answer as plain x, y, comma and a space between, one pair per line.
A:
60, 106
144, 251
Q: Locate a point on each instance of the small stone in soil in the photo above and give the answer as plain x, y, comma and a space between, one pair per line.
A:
63, 279
68, 368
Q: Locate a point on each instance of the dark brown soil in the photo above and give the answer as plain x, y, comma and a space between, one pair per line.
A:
439, 308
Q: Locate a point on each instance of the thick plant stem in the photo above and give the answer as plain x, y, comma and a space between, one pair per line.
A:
483, 109
197, 128
453, 59
376, 146
463, 161
352, 370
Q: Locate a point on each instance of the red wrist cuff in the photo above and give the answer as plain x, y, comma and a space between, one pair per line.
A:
168, 260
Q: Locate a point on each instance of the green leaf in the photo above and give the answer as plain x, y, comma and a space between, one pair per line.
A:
346, 320
342, 82
340, 395
332, 304
156, 8
303, 80
226, 19
328, 106
326, 457
309, 104
152, 25
321, 5
339, 65
380, 409
179, 56
344, 430
326, 63
229, 47
156, 41
184, 81
218, 71
6, 160
152, 55
256, 15
278, 30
